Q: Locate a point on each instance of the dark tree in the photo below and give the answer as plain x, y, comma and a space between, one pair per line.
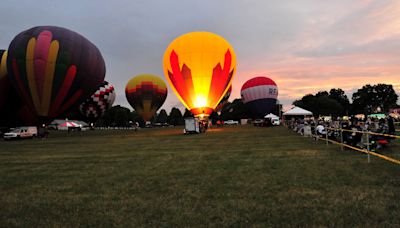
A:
322, 94
162, 117
187, 113
135, 118
369, 98
234, 111
339, 96
214, 117
307, 102
175, 117
320, 104
116, 116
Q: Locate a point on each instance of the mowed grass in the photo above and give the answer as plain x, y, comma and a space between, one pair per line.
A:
232, 176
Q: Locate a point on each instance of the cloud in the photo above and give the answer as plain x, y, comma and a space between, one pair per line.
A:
305, 45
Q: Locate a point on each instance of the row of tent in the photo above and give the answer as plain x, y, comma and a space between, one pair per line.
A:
295, 111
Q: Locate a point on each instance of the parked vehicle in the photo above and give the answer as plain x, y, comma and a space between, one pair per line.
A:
231, 122
21, 133
275, 122
3, 130
258, 122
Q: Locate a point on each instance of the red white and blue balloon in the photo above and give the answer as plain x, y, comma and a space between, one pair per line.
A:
95, 106
259, 94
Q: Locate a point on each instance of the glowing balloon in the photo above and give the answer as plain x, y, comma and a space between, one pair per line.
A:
53, 69
146, 93
259, 94
95, 106
199, 67
224, 100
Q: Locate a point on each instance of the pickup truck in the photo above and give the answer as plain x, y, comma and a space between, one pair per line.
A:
21, 132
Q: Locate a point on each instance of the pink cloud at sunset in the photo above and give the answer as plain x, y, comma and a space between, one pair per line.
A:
349, 51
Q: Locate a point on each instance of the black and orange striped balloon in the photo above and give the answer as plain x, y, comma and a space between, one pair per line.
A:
146, 93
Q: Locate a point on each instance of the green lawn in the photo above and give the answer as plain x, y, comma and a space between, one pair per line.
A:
233, 176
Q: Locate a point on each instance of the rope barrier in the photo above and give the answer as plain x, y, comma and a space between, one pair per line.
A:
364, 132
366, 151
363, 151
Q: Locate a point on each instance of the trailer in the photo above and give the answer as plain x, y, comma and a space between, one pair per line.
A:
192, 125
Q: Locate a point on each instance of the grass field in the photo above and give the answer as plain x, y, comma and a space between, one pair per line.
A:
233, 176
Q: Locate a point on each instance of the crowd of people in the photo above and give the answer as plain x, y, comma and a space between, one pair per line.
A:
353, 132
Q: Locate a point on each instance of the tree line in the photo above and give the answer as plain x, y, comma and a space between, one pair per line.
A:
366, 100
119, 116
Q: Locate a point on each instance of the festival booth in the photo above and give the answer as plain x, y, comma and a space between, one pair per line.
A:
290, 117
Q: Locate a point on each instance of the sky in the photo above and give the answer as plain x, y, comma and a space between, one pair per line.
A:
305, 46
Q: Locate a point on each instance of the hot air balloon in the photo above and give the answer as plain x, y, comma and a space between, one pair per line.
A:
53, 69
259, 94
5, 86
224, 100
146, 93
13, 111
95, 106
199, 67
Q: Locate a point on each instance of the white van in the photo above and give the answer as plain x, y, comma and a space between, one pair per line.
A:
21, 133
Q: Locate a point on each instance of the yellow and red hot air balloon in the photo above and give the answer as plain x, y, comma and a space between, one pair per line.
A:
199, 66
146, 93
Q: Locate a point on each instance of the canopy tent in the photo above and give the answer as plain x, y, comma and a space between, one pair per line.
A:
57, 124
271, 116
65, 124
68, 124
297, 111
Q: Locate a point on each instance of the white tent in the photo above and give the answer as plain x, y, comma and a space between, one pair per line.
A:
271, 116
297, 111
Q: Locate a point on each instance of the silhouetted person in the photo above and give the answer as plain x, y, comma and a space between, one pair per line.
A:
391, 128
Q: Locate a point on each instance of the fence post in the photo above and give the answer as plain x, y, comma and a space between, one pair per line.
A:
341, 138
326, 135
368, 146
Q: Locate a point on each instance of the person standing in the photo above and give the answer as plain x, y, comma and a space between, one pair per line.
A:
391, 127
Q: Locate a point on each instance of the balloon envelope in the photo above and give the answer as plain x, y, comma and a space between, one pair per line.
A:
259, 94
53, 69
5, 86
199, 66
95, 106
224, 99
146, 93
